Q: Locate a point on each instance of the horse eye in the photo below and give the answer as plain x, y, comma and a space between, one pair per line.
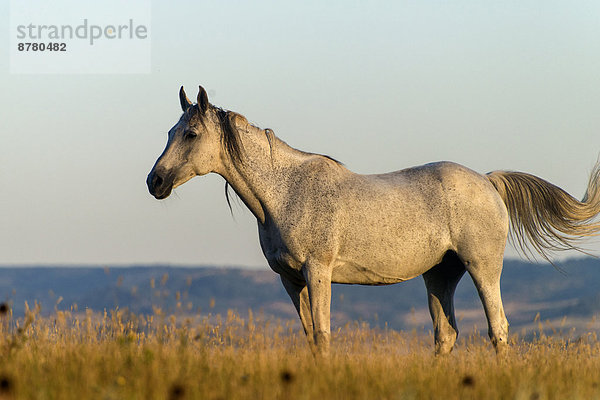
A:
189, 134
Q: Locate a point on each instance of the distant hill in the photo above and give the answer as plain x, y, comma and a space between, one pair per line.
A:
570, 291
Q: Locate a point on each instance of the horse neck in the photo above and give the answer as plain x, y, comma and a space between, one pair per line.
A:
259, 178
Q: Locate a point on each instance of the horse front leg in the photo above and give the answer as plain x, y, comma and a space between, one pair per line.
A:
299, 295
318, 282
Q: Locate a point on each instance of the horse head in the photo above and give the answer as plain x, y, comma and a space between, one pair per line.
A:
193, 146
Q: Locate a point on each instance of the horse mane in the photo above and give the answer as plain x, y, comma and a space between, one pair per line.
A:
230, 138
231, 141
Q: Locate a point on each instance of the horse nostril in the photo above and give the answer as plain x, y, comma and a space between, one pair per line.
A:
154, 181
157, 180
160, 183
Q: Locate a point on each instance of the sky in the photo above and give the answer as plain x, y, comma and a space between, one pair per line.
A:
380, 86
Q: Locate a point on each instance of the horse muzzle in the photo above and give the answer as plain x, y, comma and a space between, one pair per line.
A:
160, 184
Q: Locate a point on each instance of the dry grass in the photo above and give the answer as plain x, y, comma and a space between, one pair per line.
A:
119, 356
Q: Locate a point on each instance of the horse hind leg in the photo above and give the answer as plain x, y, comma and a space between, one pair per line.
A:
486, 277
441, 282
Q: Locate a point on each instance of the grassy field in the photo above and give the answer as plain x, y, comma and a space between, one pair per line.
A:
115, 355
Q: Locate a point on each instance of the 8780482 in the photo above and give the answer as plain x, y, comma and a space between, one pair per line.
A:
35, 46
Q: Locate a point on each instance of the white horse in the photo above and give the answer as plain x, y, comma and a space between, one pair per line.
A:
320, 223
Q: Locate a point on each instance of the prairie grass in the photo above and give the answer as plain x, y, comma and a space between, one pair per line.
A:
116, 355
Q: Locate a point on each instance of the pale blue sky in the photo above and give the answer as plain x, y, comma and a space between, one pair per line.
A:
378, 85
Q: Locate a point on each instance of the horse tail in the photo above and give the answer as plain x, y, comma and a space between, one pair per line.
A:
543, 217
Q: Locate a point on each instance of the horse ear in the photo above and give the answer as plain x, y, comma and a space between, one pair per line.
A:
202, 100
185, 102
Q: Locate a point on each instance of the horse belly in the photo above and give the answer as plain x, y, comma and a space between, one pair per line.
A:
379, 272
391, 246
388, 261
351, 273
